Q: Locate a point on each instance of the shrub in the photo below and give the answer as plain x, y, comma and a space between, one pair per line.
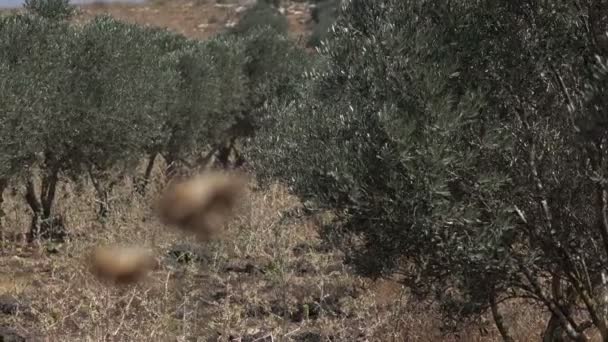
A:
260, 15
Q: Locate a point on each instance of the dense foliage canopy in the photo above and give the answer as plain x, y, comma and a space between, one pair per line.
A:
462, 145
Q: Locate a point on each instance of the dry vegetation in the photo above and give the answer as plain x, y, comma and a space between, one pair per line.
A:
270, 277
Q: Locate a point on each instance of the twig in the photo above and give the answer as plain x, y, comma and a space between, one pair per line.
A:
521, 215
167, 284
293, 331
124, 314
566, 93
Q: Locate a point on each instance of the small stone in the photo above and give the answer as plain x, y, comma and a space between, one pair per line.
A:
10, 335
11, 306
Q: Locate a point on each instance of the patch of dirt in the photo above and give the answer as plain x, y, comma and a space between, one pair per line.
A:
194, 19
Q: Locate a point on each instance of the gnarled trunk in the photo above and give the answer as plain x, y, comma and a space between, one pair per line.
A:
555, 331
44, 224
3, 185
143, 183
499, 320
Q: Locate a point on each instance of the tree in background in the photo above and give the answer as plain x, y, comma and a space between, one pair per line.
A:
208, 98
273, 67
262, 14
50, 9
88, 102
224, 83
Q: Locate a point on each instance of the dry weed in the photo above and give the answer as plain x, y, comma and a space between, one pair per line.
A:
273, 276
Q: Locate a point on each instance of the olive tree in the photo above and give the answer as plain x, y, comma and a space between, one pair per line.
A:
460, 145
262, 14
224, 84
208, 96
80, 101
32, 58
166, 44
272, 68
118, 95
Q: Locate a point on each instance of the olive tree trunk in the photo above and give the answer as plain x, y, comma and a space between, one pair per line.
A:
44, 224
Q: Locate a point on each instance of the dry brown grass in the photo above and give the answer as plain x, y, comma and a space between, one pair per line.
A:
271, 275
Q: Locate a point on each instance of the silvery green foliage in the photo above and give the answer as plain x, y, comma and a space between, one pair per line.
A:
461, 145
93, 99
117, 92
78, 101
223, 83
33, 53
90, 97
273, 67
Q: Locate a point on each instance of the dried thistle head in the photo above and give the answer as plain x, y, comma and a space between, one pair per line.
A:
202, 204
122, 265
